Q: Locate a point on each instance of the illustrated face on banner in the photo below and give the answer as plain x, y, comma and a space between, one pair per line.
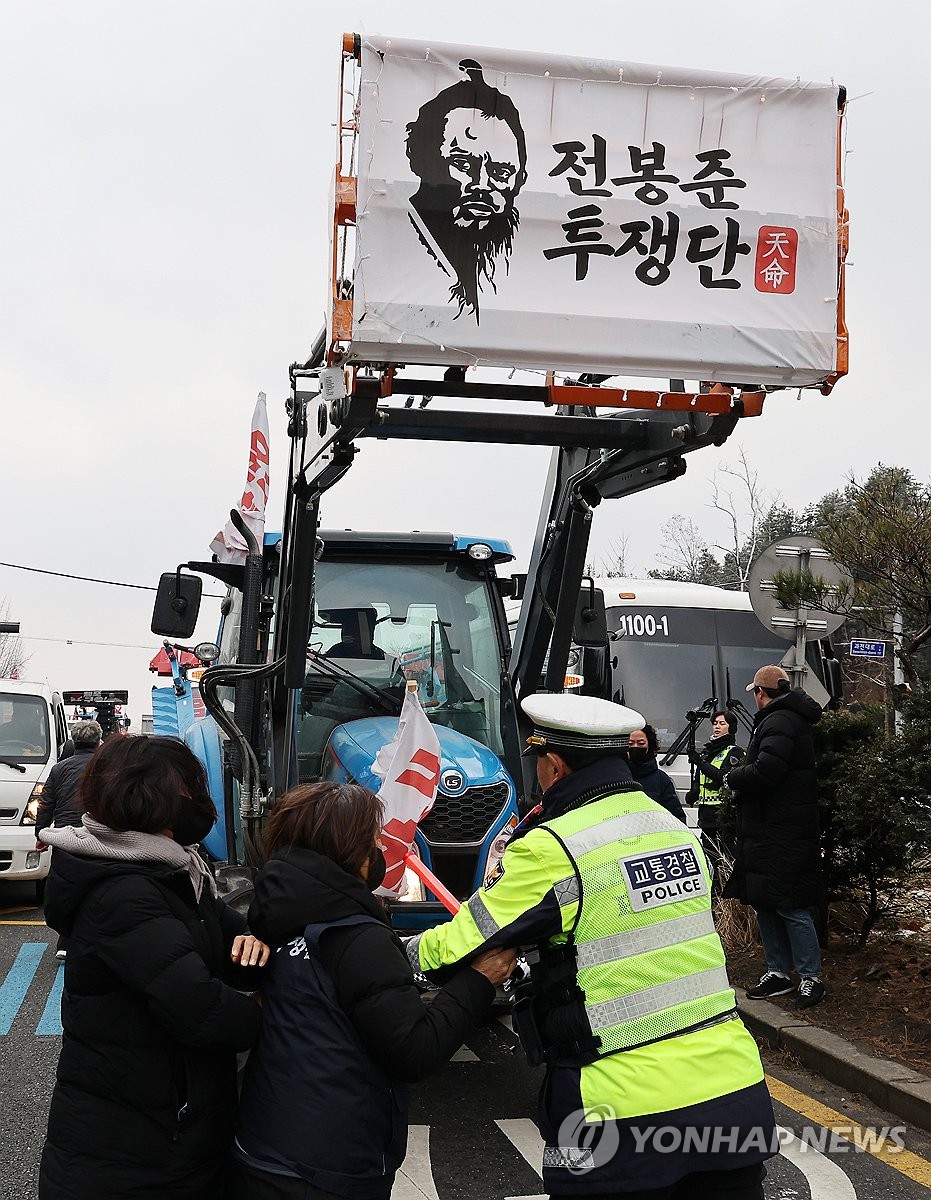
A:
485, 172
468, 149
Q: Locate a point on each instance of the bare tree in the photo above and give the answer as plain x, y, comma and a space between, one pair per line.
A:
737, 494
13, 657
684, 555
612, 565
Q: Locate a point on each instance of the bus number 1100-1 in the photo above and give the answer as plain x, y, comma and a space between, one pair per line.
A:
638, 625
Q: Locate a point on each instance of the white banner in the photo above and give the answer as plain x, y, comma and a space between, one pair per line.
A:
229, 545
515, 209
409, 767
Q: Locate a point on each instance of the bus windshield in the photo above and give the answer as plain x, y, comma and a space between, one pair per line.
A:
381, 623
666, 655
24, 731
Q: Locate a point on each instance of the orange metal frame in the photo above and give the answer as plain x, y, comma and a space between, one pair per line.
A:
344, 210
843, 234
717, 400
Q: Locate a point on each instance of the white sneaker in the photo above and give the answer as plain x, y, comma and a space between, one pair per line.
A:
62, 954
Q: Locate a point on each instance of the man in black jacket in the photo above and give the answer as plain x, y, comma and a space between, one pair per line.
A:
778, 863
58, 805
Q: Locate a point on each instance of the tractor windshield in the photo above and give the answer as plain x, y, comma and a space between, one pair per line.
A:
377, 624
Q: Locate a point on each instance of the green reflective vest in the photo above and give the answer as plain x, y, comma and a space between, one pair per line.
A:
648, 958
708, 793
627, 884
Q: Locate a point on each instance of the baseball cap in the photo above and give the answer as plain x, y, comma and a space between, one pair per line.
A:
768, 677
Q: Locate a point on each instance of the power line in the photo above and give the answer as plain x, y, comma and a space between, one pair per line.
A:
142, 587
78, 642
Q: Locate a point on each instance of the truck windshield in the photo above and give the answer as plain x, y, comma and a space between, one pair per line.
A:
385, 622
665, 657
24, 731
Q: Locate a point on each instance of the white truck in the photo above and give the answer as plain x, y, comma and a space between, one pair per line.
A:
33, 732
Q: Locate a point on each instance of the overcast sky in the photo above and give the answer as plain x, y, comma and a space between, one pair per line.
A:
163, 257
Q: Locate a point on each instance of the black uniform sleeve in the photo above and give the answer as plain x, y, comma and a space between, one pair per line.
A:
150, 950
774, 754
407, 1038
717, 775
669, 798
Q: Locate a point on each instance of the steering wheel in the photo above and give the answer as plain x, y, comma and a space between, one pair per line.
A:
17, 746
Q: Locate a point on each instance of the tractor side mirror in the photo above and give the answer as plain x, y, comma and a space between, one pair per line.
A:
512, 587
177, 605
591, 622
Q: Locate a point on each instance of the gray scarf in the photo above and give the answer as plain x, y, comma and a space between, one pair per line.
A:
93, 840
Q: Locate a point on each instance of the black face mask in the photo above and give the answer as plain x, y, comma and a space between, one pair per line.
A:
637, 755
377, 869
192, 826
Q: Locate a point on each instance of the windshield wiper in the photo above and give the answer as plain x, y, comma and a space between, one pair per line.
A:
7, 762
385, 700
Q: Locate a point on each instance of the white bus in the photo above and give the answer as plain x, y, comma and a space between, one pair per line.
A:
680, 648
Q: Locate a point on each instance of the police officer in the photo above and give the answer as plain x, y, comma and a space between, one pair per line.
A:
652, 1081
712, 763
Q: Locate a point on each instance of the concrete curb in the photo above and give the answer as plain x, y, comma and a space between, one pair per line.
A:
900, 1090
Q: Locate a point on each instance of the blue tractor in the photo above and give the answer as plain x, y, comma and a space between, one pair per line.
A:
387, 608
322, 629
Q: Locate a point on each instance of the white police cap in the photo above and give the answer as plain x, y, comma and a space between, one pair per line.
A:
569, 721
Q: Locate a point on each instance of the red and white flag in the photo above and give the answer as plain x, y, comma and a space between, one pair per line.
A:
229, 545
409, 767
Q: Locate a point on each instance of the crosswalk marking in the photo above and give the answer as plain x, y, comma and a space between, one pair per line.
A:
50, 1021
525, 1138
414, 1180
18, 981
826, 1180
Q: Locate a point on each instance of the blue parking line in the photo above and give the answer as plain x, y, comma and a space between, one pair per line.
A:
50, 1021
19, 977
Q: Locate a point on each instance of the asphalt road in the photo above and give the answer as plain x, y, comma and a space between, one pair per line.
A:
472, 1133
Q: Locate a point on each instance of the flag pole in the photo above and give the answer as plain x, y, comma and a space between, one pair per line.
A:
442, 893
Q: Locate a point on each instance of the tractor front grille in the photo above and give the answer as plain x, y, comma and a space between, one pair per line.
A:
466, 818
